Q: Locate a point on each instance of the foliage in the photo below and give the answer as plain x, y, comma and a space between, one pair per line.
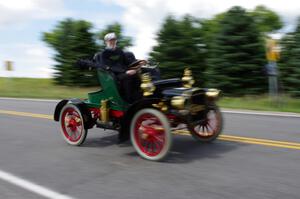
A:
72, 40
180, 45
237, 58
266, 19
290, 62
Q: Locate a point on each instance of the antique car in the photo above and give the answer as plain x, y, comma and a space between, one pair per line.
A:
167, 105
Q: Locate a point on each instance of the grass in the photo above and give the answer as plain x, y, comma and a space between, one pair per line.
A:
39, 88
262, 103
45, 88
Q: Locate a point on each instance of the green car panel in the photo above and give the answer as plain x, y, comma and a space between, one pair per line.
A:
109, 90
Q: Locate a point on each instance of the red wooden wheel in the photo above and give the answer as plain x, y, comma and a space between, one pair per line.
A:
72, 125
151, 134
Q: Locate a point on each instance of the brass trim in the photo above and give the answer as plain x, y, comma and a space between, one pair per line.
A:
161, 105
147, 86
104, 110
178, 102
187, 78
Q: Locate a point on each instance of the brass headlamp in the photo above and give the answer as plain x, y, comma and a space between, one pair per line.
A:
212, 92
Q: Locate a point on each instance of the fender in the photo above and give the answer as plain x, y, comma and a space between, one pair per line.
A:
143, 103
87, 118
58, 108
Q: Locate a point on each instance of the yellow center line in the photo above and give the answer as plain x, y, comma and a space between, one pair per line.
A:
261, 143
232, 138
26, 114
260, 140
248, 140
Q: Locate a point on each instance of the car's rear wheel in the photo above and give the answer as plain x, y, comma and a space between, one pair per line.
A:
209, 129
72, 125
150, 134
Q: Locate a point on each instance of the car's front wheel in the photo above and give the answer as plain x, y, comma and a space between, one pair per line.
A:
150, 134
208, 129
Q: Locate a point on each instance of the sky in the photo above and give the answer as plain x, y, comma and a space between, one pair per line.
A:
22, 23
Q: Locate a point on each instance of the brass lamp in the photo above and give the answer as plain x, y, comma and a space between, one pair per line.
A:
212, 92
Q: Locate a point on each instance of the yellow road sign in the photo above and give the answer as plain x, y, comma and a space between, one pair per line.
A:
9, 65
272, 51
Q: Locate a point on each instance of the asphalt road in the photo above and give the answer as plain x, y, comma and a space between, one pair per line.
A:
32, 149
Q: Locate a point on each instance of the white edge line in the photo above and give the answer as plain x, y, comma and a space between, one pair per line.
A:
245, 112
25, 184
29, 99
263, 113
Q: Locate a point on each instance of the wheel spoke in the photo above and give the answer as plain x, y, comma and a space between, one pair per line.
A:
160, 140
73, 136
209, 125
78, 129
203, 131
152, 147
148, 147
209, 133
158, 147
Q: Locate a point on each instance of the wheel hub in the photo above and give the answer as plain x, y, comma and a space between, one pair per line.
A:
72, 124
148, 132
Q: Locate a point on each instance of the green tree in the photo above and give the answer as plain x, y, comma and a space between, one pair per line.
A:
123, 41
237, 58
210, 28
290, 62
266, 19
72, 40
180, 45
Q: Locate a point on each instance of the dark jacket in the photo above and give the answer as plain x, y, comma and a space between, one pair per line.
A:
115, 59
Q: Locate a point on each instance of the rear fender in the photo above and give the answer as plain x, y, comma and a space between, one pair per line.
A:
58, 108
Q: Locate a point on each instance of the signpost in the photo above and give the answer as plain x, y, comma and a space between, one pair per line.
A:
8, 67
272, 54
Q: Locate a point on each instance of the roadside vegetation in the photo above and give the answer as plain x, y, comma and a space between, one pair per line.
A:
46, 89
40, 88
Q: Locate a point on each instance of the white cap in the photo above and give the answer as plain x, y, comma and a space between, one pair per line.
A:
110, 36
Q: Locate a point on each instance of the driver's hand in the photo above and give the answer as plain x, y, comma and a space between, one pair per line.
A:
131, 72
143, 62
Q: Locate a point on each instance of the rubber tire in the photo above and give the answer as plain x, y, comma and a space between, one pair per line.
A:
168, 139
84, 133
216, 135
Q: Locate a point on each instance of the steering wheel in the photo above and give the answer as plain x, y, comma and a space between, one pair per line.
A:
136, 64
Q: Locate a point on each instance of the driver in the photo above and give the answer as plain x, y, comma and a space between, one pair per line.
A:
116, 59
